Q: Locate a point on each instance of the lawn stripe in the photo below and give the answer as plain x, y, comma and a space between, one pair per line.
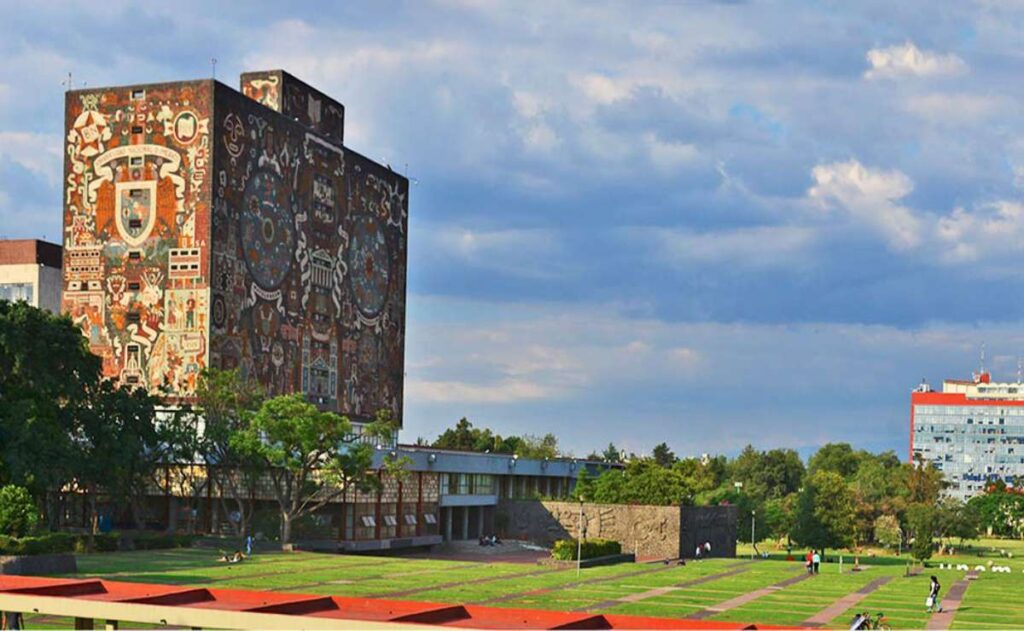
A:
660, 591
837, 608
545, 590
743, 599
944, 618
417, 590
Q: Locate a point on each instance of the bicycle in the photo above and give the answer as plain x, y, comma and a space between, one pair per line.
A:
876, 622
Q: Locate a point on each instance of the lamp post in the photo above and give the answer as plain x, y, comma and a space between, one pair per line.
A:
753, 544
579, 541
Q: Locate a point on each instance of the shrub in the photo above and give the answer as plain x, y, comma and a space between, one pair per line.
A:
18, 514
565, 549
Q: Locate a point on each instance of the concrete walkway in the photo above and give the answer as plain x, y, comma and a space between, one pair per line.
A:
743, 599
659, 591
837, 608
951, 602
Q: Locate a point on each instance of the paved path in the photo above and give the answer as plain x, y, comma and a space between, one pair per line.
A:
951, 602
659, 591
545, 590
743, 599
837, 608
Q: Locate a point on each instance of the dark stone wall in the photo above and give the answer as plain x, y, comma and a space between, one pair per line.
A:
38, 565
309, 262
708, 524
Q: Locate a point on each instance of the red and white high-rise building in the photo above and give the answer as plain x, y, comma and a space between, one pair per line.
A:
973, 431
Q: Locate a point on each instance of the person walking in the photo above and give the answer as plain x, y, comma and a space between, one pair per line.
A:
810, 562
816, 560
932, 602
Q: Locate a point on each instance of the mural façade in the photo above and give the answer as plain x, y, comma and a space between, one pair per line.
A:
284, 255
136, 229
309, 262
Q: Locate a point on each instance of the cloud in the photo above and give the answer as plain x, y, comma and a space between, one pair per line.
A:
907, 60
958, 108
38, 153
527, 253
753, 247
871, 197
507, 391
994, 230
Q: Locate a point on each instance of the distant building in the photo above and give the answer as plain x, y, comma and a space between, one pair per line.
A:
973, 431
30, 271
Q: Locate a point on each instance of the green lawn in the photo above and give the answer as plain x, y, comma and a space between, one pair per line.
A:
652, 590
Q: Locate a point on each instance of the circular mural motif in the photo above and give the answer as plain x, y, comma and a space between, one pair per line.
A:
368, 265
268, 236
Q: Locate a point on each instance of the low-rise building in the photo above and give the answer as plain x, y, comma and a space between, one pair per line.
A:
30, 270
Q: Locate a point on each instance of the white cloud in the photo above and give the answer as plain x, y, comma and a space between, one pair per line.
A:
994, 230
602, 89
38, 153
669, 157
518, 252
756, 247
960, 108
907, 60
505, 391
870, 197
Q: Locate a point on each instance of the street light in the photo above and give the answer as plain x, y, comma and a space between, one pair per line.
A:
579, 541
753, 544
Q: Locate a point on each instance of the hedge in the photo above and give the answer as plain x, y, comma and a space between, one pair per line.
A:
64, 542
565, 549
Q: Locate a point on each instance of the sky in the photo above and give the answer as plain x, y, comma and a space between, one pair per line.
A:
704, 223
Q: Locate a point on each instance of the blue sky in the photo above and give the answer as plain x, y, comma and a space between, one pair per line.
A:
703, 223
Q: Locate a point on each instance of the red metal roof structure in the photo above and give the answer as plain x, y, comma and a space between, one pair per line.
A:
199, 607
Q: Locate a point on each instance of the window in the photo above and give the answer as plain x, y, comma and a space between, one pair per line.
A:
390, 520
134, 223
136, 129
410, 519
135, 255
429, 518
133, 286
368, 521
138, 95
136, 161
17, 291
133, 316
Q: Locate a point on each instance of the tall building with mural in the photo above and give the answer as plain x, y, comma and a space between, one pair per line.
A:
972, 431
205, 226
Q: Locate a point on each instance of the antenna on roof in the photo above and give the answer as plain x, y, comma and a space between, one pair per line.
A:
67, 83
213, 67
1020, 370
983, 357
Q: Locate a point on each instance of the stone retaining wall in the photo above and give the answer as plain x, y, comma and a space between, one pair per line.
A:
38, 564
646, 531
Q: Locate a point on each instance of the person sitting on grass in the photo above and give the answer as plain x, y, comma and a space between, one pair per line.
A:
237, 557
860, 621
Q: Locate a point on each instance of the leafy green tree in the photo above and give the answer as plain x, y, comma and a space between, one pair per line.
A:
227, 404
538, 447
837, 457
663, 455
921, 521
306, 458
768, 475
611, 453
824, 512
924, 482
779, 516
887, 531
18, 513
46, 376
584, 489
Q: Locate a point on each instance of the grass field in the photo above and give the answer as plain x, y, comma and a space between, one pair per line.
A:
990, 602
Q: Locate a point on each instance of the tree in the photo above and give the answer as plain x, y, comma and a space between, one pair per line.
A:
584, 489
825, 511
306, 458
779, 516
18, 513
46, 376
768, 475
924, 482
227, 404
921, 520
837, 457
539, 448
611, 453
887, 531
663, 455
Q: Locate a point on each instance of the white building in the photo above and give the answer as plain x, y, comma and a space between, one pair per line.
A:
30, 270
973, 431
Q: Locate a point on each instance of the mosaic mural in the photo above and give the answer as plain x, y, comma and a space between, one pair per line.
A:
250, 238
136, 229
309, 257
